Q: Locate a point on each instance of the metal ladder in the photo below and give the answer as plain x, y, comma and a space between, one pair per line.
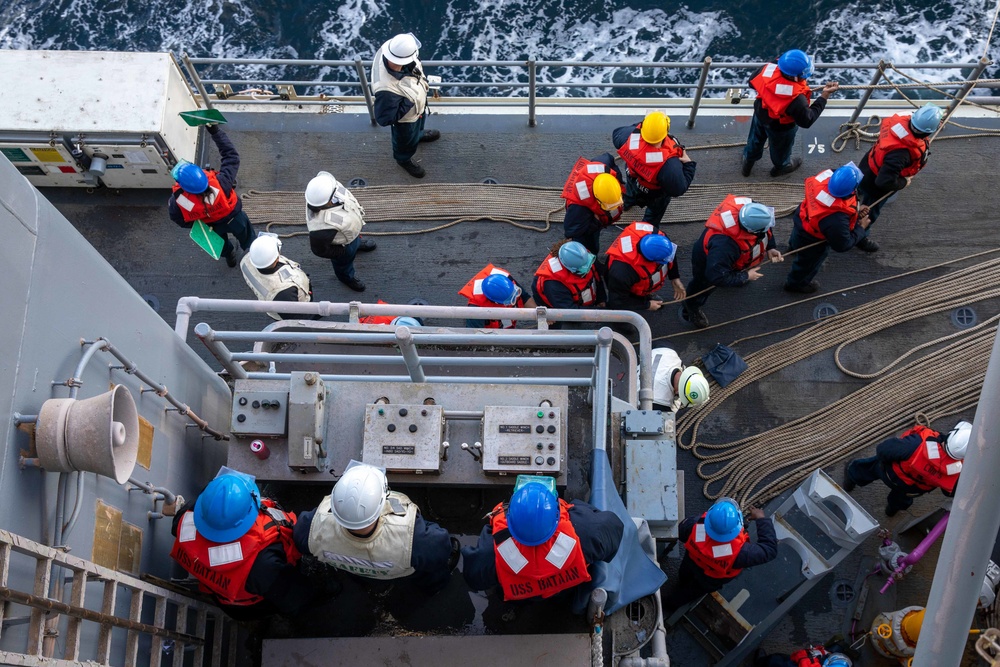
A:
42, 634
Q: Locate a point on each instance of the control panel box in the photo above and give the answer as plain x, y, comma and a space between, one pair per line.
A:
523, 439
404, 438
307, 447
259, 413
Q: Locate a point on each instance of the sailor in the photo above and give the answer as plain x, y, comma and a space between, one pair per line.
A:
897, 156
829, 215
400, 89
717, 548
639, 261
367, 530
814, 656
593, 194
736, 239
210, 196
782, 106
656, 166
675, 385
239, 547
539, 545
402, 321
917, 462
334, 219
494, 287
567, 278
274, 277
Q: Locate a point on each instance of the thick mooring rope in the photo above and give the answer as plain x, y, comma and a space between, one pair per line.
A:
516, 205
830, 434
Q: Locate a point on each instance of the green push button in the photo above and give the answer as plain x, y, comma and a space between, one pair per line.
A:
540, 414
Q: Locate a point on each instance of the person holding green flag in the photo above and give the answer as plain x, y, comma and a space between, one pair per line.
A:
209, 197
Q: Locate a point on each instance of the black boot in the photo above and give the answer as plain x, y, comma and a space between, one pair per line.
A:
788, 168
867, 244
413, 169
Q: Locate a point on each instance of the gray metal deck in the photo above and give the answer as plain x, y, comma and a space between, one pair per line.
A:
949, 212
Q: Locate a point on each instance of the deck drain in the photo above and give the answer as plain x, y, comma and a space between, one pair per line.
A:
841, 593
357, 183
824, 310
964, 317
490, 181
153, 302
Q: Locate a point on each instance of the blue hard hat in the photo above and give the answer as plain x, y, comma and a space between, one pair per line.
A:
657, 248
227, 508
498, 288
575, 257
837, 660
926, 119
190, 177
533, 514
756, 218
844, 181
796, 63
724, 520
407, 322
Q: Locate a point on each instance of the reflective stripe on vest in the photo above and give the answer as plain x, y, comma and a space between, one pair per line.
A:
644, 161
819, 203
894, 135
579, 187
583, 289
210, 206
625, 249
473, 291
544, 570
929, 466
715, 559
776, 92
222, 569
725, 221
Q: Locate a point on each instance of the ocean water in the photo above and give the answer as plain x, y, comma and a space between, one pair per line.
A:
629, 30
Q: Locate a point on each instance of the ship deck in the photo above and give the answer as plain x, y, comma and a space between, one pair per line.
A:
947, 214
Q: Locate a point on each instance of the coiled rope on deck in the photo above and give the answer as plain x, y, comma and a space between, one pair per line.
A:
821, 438
517, 205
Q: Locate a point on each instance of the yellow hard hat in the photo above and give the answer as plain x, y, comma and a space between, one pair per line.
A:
608, 191
655, 126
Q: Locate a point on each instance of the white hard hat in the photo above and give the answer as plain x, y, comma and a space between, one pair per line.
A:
402, 49
692, 386
357, 498
264, 251
320, 190
957, 441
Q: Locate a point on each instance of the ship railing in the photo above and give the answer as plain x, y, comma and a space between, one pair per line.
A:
525, 87
175, 622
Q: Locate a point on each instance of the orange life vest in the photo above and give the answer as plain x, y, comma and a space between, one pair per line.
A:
776, 92
929, 466
644, 161
809, 657
473, 291
579, 189
222, 569
547, 569
725, 220
714, 558
626, 249
377, 319
210, 206
819, 203
894, 135
582, 288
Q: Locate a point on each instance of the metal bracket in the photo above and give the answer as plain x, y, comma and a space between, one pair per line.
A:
642, 422
223, 91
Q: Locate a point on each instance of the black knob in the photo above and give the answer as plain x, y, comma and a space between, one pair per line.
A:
391, 428
552, 429
275, 404
413, 428
539, 429
241, 418
243, 400
255, 404
403, 412
551, 461
423, 413
552, 446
